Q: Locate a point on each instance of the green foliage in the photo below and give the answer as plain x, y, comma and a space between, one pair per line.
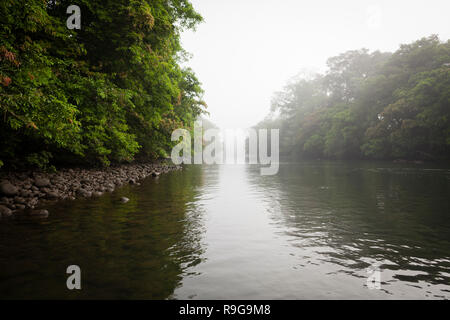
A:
373, 105
41, 160
110, 92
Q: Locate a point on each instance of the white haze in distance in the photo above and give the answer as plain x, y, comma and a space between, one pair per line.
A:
248, 49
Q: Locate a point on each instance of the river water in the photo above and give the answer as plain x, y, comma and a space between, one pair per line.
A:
226, 232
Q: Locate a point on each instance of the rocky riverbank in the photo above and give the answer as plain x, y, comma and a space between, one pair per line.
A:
24, 192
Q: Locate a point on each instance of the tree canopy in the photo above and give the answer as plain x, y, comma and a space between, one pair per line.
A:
110, 92
370, 105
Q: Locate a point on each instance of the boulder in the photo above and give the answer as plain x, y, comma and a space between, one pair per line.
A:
41, 182
4, 199
25, 193
84, 193
8, 189
19, 200
5, 211
52, 195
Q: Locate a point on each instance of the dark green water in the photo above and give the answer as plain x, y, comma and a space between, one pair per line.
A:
225, 232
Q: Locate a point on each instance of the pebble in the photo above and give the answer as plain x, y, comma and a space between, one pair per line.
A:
19, 191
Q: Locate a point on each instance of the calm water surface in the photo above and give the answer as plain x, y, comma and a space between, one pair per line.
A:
225, 232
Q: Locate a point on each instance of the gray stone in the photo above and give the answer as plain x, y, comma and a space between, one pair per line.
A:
52, 195
41, 182
19, 200
25, 193
5, 211
8, 189
4, 199
84, 193
124, 199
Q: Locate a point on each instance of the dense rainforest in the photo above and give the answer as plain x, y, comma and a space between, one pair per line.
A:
109, 92
369, 105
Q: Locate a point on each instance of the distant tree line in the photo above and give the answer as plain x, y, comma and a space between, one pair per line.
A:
370, 105
112, 91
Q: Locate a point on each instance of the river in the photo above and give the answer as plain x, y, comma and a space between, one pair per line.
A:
226, 232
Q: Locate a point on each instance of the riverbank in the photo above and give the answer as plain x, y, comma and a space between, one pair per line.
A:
28, 192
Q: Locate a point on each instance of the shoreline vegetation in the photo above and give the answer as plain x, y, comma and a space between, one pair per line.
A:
112, 93
108, 93
369, 105
26, 193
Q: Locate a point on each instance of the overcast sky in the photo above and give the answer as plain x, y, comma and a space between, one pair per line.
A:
248, 49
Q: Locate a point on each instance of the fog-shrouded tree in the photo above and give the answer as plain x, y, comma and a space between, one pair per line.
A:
370, 105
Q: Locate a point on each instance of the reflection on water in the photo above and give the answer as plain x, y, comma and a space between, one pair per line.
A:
140, 249
226, 232
341, 218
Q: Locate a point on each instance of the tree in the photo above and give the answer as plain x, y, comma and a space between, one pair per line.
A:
371, 105
112, 91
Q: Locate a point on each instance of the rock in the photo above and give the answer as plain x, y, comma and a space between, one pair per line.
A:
40, 213
5, 211
4, 199
124, 199
8, 189
45, 190
52, 195
87, 194
20, 206
25, 193
84, 193
132, 181
19, 200
10, 205
155, 173
41, 182
97, 194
